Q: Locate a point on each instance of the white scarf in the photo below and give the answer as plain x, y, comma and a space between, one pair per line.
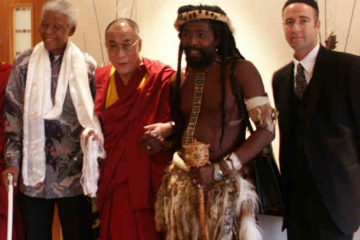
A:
38, 106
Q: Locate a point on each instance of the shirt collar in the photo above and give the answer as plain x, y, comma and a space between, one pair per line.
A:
54, 59
308, 62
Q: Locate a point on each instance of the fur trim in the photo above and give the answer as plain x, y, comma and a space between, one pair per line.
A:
230, 208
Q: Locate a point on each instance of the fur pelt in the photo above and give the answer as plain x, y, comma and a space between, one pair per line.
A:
230, 207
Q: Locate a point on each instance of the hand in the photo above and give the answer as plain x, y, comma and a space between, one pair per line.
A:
159, 129
154, 137
4, 176
91, 133
152, 144
203, 175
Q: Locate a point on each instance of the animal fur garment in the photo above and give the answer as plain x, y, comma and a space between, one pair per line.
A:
230, 207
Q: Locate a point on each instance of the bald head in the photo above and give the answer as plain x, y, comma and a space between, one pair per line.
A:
123, 23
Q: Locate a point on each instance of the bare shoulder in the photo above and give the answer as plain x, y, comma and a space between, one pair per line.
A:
174, 77
183, 75
249, 78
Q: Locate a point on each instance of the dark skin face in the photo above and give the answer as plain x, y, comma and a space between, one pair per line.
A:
199, 42
55, 31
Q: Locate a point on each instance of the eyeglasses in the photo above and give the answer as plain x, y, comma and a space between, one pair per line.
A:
115, 47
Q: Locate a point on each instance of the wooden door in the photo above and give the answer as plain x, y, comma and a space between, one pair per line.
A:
7, 25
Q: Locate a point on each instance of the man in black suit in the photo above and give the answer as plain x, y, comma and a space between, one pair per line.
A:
318, 99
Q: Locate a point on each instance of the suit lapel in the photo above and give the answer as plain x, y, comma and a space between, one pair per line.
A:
317, 82
286, 86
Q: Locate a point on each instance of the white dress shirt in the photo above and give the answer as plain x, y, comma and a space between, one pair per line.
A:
308, 63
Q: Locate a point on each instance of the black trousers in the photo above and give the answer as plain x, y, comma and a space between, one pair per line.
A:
74, 213
308, 218
312, 222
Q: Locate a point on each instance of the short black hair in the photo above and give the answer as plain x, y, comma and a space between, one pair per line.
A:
311, 3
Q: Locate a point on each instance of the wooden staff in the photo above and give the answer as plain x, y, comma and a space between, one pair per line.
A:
202, 214
197, 155
10, 206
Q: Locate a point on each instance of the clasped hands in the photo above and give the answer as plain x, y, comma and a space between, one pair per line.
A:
154, 137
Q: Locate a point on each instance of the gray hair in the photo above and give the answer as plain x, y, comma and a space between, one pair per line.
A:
63, 7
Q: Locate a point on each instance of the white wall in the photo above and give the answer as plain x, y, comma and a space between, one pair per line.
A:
258, 35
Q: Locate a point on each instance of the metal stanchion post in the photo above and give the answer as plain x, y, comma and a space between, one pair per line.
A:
10, 206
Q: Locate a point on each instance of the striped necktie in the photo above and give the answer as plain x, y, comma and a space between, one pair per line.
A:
300, 81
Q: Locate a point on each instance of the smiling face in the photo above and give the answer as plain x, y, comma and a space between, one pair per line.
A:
123, 46
301, 28
199, 43
55, 31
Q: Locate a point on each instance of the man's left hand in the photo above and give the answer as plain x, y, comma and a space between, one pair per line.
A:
154, 137
152, 143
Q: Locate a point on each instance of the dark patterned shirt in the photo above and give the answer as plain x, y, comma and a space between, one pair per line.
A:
62, 136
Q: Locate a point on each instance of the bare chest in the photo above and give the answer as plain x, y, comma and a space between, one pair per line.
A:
211, 99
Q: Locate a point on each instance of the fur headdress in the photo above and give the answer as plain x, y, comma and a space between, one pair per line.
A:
200, 14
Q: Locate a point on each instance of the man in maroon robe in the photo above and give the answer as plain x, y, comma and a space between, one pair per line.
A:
132, 92
5, 70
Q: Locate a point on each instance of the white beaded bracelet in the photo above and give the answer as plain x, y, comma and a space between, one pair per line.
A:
233, 162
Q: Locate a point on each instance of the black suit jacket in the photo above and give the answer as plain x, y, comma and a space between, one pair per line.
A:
332, 132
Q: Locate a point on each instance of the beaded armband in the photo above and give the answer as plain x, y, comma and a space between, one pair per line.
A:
261, 113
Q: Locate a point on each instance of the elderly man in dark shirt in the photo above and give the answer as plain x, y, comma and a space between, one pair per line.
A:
48, 104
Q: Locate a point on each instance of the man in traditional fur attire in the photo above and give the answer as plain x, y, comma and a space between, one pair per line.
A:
203, 194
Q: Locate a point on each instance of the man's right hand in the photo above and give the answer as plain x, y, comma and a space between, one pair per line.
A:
4, 176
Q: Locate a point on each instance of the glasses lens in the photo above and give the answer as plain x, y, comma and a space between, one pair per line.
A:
115, 47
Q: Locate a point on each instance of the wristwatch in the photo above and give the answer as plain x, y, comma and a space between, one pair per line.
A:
172, 123
218, 174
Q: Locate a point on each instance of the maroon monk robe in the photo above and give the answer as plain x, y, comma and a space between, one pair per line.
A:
129, 176
5, 70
